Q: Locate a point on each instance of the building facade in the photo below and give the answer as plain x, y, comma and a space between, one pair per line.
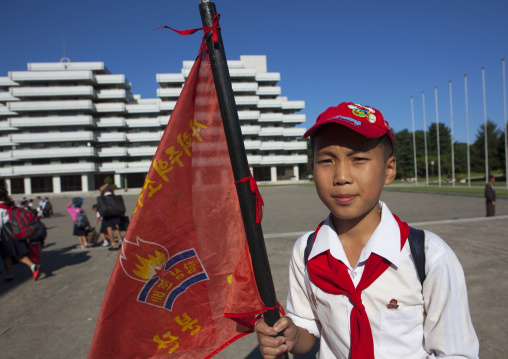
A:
66, 126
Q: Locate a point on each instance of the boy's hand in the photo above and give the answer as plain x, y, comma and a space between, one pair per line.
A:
274, 347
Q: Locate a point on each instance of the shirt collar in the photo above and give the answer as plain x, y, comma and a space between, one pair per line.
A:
385, 241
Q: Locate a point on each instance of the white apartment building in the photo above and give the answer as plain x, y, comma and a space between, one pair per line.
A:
66, 126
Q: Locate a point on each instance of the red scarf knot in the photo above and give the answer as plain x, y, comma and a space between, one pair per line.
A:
213, 29
259, 200
356, 299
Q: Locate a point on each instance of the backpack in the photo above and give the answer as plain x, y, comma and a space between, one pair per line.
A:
416, 239
82, 220
23, 223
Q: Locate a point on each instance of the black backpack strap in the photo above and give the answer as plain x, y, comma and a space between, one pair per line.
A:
416, 240
308, 248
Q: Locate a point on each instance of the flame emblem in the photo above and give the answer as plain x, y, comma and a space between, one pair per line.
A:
165, 277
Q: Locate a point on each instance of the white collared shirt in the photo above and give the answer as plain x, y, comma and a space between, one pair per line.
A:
406, 321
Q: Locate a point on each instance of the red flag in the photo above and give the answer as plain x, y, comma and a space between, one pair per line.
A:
184, 266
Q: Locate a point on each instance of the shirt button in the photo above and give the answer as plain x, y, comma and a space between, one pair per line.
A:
353, 274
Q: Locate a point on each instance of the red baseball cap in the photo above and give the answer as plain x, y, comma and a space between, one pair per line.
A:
365, 120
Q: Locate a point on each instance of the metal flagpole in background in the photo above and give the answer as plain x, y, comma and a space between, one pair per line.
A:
467, 134
451, 121
485, 128
438, 146
425, 142
505, 128
414, 140
239, 164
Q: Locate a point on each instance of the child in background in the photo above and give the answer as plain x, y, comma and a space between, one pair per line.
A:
73, 208
103, 231
357, 291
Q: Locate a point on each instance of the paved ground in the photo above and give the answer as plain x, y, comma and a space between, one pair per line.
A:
56, 316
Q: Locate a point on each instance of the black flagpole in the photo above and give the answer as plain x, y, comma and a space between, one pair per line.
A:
240, 165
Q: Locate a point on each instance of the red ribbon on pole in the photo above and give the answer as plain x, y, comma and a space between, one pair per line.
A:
259, 200
213, 29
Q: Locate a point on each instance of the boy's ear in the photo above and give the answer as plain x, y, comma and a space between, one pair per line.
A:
391, 170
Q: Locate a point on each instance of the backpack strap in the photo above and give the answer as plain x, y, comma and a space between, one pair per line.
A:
416, 241
308, 248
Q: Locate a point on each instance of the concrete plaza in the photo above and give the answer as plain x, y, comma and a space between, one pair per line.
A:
56, 316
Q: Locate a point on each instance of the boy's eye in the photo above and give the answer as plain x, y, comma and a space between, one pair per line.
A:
359, 159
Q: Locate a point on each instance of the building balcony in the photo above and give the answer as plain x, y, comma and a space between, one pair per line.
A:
112, 166
167, 105
170, 78
293, 105
143, 122
116, 107
163, 120
76, 136
4, 111
7, 126
52, 76
141, 151
6, 141
144, 136
111, 122
118, 80
254, 159
293, 118
112, 152
7, 97
252, 145
271, 117
148, 107
70, 105
268, 91
295, 145
244, 87
270, 103
250, 130
52, 121
283, 160
169, 92
48, 170
242, 73
248, 115
53, 153
111, 137
6, 82
67, 66
246, 100
55, 91
270, 77
294, 132
271, 131
108, 94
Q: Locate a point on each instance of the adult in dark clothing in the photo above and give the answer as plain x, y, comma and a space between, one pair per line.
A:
490, 197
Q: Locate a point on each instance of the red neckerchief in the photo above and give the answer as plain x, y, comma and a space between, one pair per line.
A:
331, 275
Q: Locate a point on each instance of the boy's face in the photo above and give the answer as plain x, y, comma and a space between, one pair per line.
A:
350, 172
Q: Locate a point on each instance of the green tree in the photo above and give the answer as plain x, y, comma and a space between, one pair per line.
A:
495, 143
403, 141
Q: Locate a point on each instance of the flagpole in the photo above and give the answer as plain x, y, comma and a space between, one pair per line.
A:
425, 142
438, 138
467, 133
239, 164
451, 121
505, 134
414, 140
485, 128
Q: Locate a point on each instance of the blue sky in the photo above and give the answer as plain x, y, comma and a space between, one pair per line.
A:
377, 53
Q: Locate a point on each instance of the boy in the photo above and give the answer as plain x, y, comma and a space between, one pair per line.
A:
358, 291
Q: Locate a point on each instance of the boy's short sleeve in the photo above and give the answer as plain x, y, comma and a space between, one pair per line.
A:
299, 304
448, 329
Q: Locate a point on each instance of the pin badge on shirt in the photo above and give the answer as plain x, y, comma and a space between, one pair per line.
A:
393, 304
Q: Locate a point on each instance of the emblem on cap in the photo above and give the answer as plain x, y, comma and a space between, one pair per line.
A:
393, 304
363, 111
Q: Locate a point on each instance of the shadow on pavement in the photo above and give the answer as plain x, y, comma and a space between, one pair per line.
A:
51, 262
